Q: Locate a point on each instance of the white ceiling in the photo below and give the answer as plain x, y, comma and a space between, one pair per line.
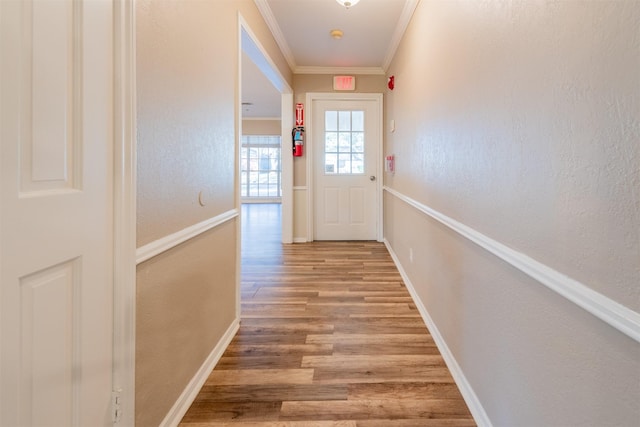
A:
259, 91
372, 30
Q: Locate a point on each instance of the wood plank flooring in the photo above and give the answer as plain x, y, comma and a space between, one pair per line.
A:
329, 337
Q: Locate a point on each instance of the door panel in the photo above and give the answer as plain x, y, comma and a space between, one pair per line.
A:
346, 155
357, 200
49, 146
56, 227
50, 309
331, 205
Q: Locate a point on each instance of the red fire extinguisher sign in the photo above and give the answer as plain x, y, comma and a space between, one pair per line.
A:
299, 114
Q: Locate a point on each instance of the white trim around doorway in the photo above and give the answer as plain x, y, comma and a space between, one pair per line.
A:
124, 213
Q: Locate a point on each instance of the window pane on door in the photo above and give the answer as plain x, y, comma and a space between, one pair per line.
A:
344, 120
357, 142
330, 163
331, 120
357, 121
357, 163
344, 142
331, 142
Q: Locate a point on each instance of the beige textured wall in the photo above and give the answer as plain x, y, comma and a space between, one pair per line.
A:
521, 121
186, 109
261, 127
300, 216
186, 302
187, 132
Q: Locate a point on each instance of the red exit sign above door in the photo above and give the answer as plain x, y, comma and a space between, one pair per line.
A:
344, 83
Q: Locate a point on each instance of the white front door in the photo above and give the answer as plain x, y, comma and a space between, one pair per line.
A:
56, 223
346, 143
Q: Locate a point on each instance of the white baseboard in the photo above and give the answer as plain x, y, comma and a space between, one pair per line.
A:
471, 399
300, 240
173, 418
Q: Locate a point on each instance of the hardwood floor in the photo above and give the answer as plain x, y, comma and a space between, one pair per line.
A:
329, 337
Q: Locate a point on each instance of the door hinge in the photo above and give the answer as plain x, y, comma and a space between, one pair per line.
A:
116, 405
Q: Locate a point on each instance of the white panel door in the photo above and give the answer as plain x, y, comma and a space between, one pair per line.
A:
56, 231
346, 140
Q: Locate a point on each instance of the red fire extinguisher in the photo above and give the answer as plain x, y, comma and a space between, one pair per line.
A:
297, 134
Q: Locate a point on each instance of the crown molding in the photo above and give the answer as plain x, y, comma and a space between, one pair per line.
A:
339, 70
267, 15
272, 23
403, 23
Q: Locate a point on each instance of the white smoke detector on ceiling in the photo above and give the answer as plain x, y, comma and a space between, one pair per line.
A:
348, 3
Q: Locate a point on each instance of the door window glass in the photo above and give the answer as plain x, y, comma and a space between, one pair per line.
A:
344, 142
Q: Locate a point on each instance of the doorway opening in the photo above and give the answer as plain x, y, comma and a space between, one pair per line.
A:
260, 152
269, 112
265, 171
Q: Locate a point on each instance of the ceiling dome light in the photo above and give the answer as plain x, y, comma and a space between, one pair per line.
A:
347, 3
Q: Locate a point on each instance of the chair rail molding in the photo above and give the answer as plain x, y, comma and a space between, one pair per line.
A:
156, 247
611, 312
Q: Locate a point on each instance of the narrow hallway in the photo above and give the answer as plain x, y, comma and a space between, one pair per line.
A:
329, 336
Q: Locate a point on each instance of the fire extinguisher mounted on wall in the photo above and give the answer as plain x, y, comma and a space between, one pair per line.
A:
297, 135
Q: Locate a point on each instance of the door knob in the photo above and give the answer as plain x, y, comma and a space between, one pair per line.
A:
372, 178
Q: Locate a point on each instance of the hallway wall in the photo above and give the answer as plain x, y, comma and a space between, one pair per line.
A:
519, 121
261, 127
187, 65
